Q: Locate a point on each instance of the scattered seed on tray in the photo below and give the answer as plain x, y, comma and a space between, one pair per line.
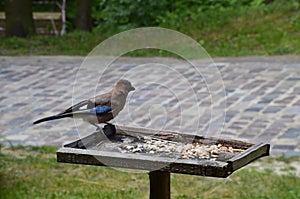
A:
177, 149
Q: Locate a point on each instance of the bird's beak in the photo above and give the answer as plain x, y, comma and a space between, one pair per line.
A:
132, 88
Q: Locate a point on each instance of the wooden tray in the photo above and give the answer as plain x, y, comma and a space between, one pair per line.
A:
88, 151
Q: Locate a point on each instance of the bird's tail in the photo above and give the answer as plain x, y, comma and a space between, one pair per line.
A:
54, 117
80, 113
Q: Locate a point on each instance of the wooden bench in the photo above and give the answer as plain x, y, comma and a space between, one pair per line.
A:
40, 16
45, 22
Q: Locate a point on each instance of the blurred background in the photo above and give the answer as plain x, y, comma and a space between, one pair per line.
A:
224, 27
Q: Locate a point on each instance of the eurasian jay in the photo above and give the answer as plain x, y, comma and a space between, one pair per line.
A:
99, 109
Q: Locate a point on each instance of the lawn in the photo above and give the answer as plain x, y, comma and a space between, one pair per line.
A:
271, 29
32, 172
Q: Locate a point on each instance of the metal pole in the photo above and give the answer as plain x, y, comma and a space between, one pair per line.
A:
159, 185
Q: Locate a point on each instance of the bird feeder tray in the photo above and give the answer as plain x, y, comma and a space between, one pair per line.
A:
162, 151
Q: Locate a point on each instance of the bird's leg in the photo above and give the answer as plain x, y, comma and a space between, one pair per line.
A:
97, 127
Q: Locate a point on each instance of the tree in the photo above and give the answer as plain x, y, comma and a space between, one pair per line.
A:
19, 20
83, 15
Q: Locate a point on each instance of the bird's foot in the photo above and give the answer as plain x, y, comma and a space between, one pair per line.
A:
109, 130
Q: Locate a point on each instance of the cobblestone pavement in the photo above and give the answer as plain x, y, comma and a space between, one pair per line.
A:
262, 98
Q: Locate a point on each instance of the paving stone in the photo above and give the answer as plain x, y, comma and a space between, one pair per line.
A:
273, 109
292, 110
284, 147
236, 127
292, 133
292, 153
264, 137
254, 109
294, 79
263, 102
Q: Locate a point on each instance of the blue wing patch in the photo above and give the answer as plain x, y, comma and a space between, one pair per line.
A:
100, 109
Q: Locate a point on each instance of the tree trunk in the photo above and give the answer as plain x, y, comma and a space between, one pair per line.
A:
19, 20
83, 15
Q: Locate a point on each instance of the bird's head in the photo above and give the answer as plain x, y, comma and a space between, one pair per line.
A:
124, 85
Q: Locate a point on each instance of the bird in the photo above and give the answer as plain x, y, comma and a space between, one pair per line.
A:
99, 109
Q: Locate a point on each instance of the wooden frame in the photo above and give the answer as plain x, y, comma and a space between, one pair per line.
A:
76, 152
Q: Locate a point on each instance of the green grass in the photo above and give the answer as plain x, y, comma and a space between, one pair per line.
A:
74, 43
32, 172
266, 30
271, 29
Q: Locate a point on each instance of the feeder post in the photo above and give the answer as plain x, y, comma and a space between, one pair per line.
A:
159, 184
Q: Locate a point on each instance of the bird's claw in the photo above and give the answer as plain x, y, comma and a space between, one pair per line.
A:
109, 130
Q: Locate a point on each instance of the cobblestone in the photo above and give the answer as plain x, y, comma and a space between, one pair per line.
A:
263, 101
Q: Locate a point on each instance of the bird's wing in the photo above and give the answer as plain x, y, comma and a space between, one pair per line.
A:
97, 110
100, 109
103, 99
76, 107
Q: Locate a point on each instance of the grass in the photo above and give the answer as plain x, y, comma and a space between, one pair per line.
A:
32, 172
264, 30
75, 43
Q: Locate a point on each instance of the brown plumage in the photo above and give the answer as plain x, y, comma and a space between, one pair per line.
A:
99, 109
